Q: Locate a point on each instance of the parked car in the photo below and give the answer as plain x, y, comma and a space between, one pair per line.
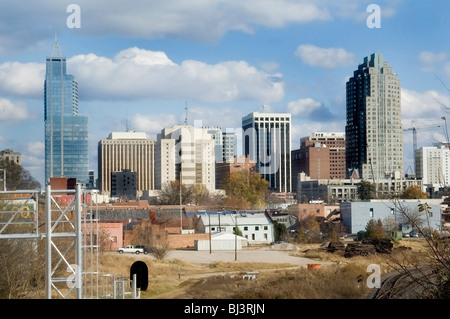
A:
145, 248
131, 249
414, 234
405, 235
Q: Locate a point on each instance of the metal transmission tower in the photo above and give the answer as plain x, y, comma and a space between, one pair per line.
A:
70, 232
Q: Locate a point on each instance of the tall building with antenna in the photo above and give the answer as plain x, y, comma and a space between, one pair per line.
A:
66, 132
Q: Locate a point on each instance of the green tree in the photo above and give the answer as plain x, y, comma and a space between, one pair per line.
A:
237, 231
366, 190
247, 186
280, 231
375, 230
18, 178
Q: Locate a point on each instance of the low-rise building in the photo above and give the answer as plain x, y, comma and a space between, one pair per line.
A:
356, 215
257, 227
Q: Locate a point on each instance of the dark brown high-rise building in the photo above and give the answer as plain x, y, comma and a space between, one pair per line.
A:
321, 156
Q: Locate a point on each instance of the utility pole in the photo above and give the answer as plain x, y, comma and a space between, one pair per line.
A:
210, 241
181, 210
235, 237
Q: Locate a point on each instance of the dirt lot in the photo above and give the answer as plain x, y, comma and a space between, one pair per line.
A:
281, 254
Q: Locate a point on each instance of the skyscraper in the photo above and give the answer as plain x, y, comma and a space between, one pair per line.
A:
66, 132
126, 150
267, 141
187, 154
373, 131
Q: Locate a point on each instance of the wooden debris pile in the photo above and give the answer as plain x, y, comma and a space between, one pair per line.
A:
363, 248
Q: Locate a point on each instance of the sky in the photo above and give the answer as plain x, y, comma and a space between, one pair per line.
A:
145, 65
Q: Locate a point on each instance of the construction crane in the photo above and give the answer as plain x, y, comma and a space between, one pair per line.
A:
414, 131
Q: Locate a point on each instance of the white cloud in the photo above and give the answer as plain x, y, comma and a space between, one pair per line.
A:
447, 68
142, 57
431, 60
223, 117
303, 107
12, 112
136, 73
36, 148
424, 112
201, 20
22, 79
428, 57
424, 108
324, 57
152, 125
33, 160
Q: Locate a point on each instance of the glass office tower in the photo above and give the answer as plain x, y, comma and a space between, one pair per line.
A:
66, 132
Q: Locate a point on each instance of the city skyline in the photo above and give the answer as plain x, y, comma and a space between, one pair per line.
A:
157, 64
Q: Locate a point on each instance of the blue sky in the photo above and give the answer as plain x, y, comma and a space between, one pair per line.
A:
140, 63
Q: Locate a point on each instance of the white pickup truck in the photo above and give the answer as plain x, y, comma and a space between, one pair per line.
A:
132, 249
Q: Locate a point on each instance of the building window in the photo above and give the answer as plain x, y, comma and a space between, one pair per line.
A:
371, 212
256, 227
266, 228
245, 228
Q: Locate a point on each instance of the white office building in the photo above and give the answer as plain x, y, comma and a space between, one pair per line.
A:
432, 166
267, 141
187, 153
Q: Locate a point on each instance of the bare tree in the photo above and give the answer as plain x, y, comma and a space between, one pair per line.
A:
22, 272
155, 240
430, 269
170, 194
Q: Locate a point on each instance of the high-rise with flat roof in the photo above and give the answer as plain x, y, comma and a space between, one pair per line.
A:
66, 132
131, 151
267, 141
373, 131
185, 153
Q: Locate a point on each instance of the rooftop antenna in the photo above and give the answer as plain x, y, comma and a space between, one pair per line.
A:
56, 52
186, 112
